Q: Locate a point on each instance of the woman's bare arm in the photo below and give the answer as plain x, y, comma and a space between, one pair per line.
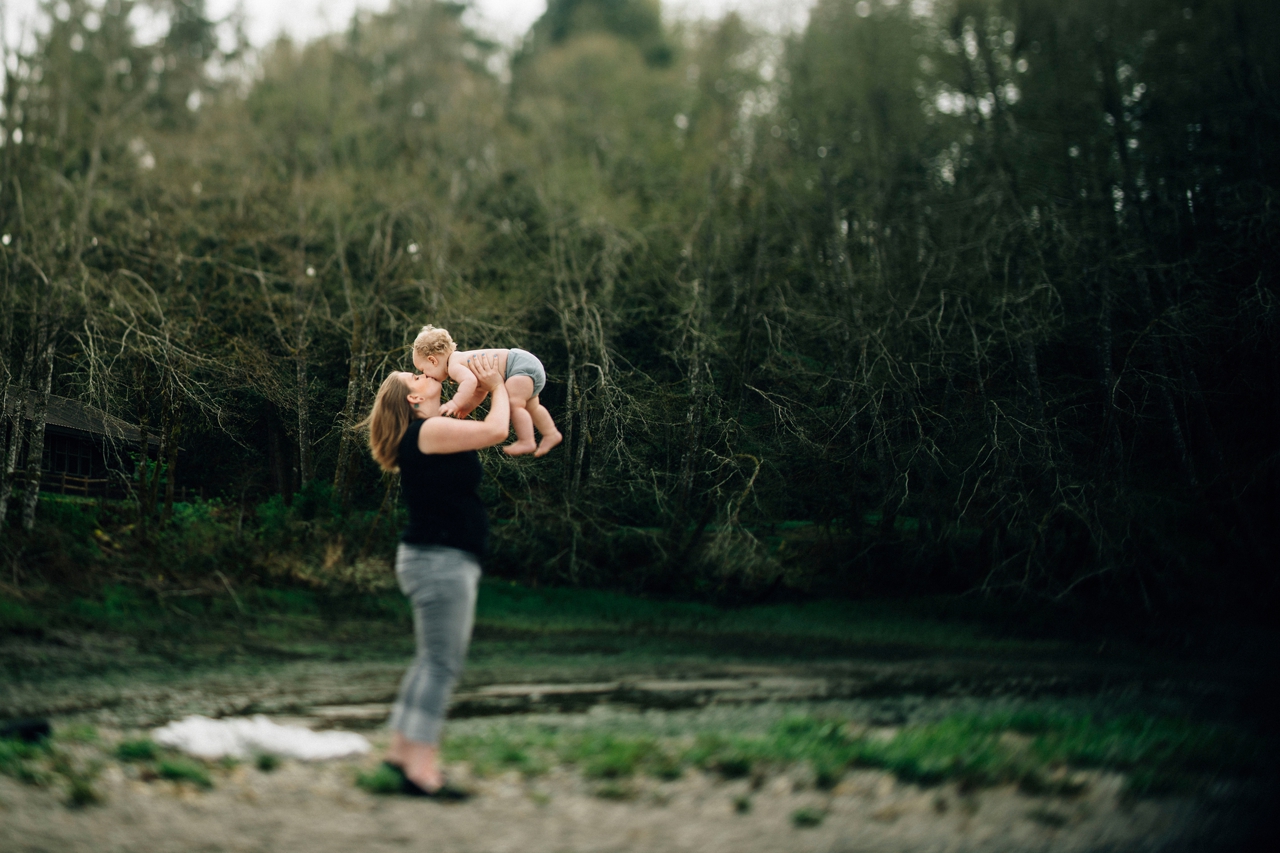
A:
447, 435
470, 393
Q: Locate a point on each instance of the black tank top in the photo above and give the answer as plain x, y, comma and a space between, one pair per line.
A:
442, 491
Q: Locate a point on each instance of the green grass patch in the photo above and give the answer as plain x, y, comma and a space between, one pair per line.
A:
81, 733
615, 790
184, 770
1040, 752
808, 817
1034, 751
612, 757
20, 618
43, 764
506, 607
81, 793
530, 750
1157, 754
79, 776
266, 762
21, 760
535, 749
511, 618
732, 758
381, 780
144, 749
519, 629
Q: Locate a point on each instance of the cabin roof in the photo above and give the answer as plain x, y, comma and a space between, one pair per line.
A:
75, 415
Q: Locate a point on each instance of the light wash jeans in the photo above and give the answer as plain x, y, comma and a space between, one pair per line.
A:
441, 584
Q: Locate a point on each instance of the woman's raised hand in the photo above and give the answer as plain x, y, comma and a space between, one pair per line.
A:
485, 369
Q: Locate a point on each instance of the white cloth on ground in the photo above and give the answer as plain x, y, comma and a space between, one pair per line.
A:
241, 737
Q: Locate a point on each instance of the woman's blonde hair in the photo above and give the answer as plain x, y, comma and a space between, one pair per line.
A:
388, 421
433, 341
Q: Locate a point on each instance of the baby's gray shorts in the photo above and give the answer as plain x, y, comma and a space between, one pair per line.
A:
522, 363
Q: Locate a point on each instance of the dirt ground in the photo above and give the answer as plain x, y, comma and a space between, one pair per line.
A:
317, 808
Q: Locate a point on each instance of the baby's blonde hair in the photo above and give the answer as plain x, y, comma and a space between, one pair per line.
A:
433, 341
388, 421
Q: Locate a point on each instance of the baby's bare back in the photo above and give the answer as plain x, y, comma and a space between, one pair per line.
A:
460, 358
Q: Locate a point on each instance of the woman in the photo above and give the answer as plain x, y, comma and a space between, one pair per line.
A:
438, 560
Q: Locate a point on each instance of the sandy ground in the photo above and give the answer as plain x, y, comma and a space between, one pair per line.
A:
317, 807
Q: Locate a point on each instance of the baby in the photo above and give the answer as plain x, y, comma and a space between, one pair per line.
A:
436, 356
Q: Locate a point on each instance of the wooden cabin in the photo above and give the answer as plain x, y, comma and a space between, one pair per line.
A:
86, 450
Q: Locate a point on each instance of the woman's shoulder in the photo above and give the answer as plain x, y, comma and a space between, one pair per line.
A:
409, 441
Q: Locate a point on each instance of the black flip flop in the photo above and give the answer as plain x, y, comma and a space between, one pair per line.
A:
446, 793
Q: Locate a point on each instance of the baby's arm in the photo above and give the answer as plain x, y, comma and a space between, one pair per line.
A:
469, 393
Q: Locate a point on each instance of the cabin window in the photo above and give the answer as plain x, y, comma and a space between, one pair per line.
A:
67, 455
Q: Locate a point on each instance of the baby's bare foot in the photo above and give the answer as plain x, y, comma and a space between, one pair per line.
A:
520, 448
548, 442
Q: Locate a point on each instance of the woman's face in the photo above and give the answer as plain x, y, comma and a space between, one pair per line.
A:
425, 392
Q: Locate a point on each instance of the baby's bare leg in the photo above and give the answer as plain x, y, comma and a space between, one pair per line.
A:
519, 391
546, 426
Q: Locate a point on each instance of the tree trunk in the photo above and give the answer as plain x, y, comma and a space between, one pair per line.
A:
692, 438
16, 421
356, 373
171, 425
35, 440
306, 470
17, 418
1113, 452
145, 471
350, 411
570, 433
1165, 394
280, 465
11, 453
6, 376
564, 310
693, 417
153, 484
1027, 348
584, 438
5, 432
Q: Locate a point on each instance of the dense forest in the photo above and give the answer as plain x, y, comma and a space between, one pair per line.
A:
931, 296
